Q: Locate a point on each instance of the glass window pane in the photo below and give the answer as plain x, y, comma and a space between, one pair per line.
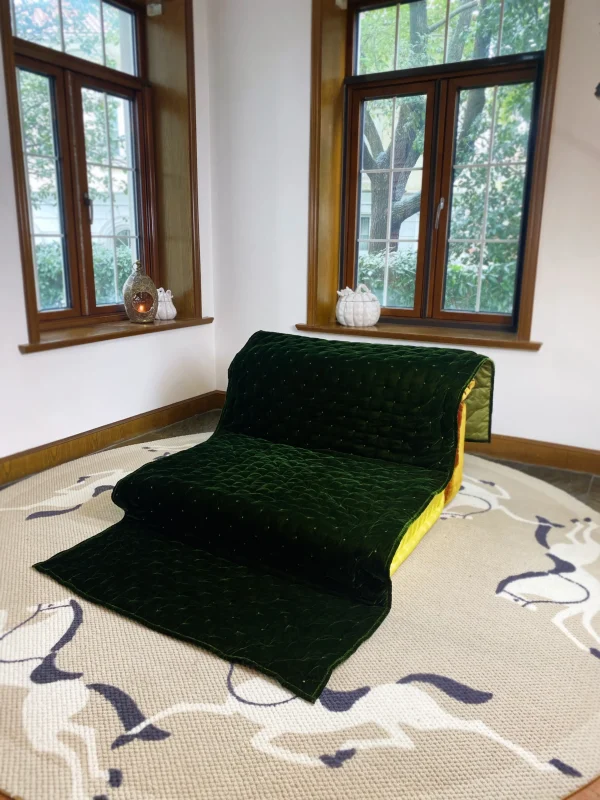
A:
462, 271
468, 201
119, 38
124, 200
421, 34
513, 122
42, 170
389, 216
82, 29
106, 281
99, 190
112, 186
376, 40
43, 194
402, 274
487, 198
390, 272
50, 264
371, 267
119, 130
128, 253
505, 204
378, 124
37, 21
373, 202
94, 124
473, 30
474, 129
498, 278
90, 29
431, 32
525, 26
37, 124
406, 204
409, 114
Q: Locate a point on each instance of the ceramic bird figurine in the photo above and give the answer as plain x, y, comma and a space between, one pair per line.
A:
166, 308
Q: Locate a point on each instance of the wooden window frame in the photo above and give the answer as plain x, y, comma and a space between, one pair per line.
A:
144, 169
166, 125
356, 97
65, 182
333, 35
69, 74
525, 72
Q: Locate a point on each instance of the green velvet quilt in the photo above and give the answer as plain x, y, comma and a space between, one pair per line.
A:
271, 543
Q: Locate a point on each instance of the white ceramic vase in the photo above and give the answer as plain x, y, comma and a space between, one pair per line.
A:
358, 309
166, 309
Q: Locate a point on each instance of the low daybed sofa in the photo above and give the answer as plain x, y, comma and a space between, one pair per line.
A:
272, 543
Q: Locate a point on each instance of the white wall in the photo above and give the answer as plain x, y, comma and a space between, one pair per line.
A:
259, 102
50, 395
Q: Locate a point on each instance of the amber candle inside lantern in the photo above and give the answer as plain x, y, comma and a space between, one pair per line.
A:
142, 302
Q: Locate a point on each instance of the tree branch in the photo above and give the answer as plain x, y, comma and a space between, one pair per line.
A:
405, 208
467, 6
456, 45
372, 135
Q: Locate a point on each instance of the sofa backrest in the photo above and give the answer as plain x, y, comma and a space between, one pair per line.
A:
386, 402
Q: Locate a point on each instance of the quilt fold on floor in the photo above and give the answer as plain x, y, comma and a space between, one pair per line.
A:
271, 543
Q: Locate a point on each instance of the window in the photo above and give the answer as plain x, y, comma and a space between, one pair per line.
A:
434, 118
100, 32
87, 167
440, 136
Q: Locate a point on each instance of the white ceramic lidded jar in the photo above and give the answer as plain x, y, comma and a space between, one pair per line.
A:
359, 309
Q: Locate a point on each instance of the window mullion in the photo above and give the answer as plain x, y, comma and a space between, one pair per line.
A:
388, 232
501, 27
486, 204
102, 36
61, 26
110, 195
80, 188
446, 30
441, 190
28, 193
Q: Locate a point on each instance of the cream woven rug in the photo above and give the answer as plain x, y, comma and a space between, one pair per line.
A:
482, 684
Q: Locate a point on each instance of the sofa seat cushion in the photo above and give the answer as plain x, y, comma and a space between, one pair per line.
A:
334, 516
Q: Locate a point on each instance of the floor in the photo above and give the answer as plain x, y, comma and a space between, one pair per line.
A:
582, 485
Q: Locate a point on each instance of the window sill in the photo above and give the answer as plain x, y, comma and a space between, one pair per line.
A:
70, 337
390, 330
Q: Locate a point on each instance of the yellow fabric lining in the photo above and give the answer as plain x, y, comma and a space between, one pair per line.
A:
417, 529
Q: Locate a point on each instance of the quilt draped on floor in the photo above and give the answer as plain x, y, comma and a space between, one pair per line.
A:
271, 543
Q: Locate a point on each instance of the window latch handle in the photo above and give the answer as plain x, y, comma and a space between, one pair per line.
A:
440, 208
89, 203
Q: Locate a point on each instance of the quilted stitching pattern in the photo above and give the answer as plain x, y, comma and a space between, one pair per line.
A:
271, 543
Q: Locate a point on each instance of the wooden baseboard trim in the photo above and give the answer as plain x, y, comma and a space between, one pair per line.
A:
529, 451
19, 465
37, 459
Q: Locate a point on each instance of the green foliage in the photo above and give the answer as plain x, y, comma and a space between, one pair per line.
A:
402, 270
50, 271
50, 274
377, 32
497, 281
525, 27
104, 279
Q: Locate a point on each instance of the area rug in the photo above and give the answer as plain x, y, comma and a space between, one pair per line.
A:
483, 683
